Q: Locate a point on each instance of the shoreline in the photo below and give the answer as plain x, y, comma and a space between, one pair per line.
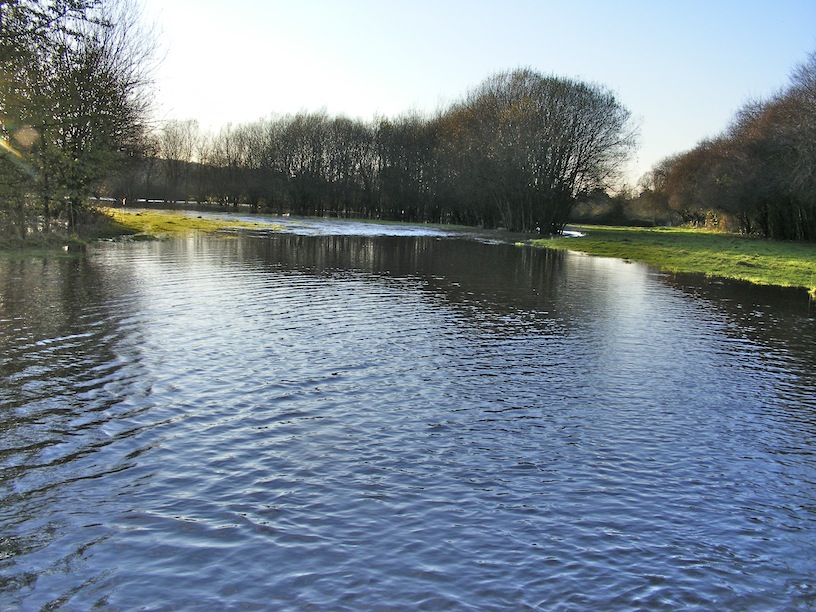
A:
120, 224
673, 250
684, 250
147, 224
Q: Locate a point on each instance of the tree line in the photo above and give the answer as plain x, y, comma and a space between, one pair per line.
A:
515, 152
759, 176
520, 150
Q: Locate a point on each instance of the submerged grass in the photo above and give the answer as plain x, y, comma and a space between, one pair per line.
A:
112, 223
58, 245
160, 223
763, 262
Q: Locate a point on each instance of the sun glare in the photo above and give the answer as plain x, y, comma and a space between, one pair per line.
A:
16, 157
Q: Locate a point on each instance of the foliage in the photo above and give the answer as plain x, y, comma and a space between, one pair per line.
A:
73, 105
531, 144
760, 173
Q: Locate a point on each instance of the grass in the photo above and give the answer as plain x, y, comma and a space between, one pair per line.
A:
51, 245
763, 262
158, 224
112, 223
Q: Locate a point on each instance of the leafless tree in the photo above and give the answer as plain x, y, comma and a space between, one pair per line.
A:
179, 143
762, 170
534, 142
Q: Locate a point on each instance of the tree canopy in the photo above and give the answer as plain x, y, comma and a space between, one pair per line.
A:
515, 152
73, 103
529, 144
761, 172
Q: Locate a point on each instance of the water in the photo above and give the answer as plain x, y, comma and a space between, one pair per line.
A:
341, 417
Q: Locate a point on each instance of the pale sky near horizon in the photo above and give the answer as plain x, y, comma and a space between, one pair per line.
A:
682, 67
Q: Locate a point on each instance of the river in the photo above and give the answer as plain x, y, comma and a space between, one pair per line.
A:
338, 415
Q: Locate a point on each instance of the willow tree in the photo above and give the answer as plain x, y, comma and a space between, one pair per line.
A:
528, 144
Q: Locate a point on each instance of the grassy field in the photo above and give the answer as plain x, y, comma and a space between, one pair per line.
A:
764, 262
159, 223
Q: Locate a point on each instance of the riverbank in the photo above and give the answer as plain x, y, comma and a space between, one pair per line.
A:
149, 224
113, 223
762, 262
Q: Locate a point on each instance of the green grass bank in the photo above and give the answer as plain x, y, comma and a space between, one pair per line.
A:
763, 262
112, 223
161, 223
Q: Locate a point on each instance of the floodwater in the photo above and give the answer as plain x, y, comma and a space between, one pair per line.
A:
354, 416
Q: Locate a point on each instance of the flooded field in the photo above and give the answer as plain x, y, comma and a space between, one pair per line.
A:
361, 416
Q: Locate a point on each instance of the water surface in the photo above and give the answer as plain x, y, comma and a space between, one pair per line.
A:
392, 419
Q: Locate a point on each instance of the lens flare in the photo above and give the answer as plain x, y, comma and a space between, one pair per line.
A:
16, 157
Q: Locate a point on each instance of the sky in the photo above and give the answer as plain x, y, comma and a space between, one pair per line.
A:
682, 67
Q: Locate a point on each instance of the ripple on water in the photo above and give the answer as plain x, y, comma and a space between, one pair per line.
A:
249, 422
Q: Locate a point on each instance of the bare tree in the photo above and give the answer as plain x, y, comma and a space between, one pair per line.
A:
178, 146
535, 142
407, 150
762, 170
803, 111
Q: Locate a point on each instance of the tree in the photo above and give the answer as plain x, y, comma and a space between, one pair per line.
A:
77, 81
178, 146
762, 169
533, 143
406, 149
28, 32
350, 150
802, 134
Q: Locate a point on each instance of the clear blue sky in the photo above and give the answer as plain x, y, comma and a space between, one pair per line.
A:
683, 67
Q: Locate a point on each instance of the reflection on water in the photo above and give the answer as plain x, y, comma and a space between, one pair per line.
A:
399, 421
